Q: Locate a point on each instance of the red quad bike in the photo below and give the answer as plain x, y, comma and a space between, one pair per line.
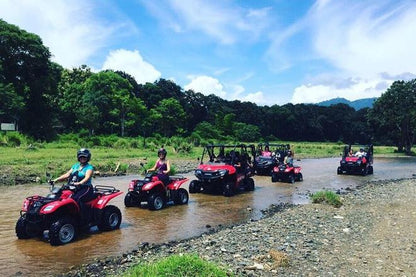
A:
360, 163
59, 214
265, 161
155, 193
286, 172
227, 171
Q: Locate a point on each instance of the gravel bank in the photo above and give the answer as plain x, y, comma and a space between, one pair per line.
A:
372, 234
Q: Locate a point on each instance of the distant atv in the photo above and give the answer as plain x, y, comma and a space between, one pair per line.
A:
287, 173
269, 155
155, 193
360, 162
227, 171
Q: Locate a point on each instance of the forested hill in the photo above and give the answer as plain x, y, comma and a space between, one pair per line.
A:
356, 104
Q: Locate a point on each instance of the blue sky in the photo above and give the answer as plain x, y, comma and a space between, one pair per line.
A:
267, 52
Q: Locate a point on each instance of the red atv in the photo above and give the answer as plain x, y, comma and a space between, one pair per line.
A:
155, 193
59, 214
360, 163
287, 172
227, 171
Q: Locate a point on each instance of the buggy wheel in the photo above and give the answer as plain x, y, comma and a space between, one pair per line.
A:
370, 170
364, 171
155, 202
129, 201
62, 231
110, 219
26, 230
194, 186
181, 197
339, 171
249, 184
228, 190
274, 178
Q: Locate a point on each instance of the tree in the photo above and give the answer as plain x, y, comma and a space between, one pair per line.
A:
25, 63
394, 114
173, 116
246, 132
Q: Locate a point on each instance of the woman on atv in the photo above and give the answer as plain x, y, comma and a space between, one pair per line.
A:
80, 176
162, 166
289, 158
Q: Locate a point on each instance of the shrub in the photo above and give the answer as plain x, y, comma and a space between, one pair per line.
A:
178, 265
328, 197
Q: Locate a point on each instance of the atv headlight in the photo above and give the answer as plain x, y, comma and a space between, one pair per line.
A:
222, 172
198, 172
48, 208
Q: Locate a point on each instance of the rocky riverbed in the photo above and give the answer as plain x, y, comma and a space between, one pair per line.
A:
372, 234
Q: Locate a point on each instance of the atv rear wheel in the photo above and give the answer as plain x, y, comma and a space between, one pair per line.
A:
62, 231
26, 230
291, 178
155, 202
129, 201
181, 197
249, 184
110, 219
194, 186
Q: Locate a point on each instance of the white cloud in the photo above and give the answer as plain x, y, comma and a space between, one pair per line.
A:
220, 20
350, 89
206, 85
71, 29
256, 97
132, 63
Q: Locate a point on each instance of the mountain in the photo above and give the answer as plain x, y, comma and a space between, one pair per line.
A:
356, 104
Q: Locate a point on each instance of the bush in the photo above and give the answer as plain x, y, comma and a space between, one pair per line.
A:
175, 265
328, 197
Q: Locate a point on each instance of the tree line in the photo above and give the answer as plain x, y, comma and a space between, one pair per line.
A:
45, 99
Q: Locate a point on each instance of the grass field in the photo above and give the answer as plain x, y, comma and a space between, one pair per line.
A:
28, 163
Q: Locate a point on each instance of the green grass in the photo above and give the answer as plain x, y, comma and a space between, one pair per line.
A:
178, 266
327, 197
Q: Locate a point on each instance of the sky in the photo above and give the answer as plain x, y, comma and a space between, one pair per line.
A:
265, 51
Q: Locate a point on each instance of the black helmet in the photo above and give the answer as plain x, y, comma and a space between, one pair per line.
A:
163, 151
84, 152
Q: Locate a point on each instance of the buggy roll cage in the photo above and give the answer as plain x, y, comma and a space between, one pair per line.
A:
247, 152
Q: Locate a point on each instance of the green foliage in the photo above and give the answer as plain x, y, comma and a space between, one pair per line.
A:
178, 265
328, 197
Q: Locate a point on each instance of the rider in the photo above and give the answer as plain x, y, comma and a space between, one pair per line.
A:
80, 176
289, 158
266, 152
162, 166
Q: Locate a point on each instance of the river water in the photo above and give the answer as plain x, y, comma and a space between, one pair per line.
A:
35, 257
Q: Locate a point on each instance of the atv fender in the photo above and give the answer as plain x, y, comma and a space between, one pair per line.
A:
176, 184
69, 204
153, 185
104, 199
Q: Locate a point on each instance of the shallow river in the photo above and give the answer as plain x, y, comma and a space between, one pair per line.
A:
37, 257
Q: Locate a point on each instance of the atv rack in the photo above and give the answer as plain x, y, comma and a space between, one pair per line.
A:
105, 189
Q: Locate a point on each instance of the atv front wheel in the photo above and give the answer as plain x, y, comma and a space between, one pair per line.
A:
274, 178
299, 177
129, 201
62, 231
110, 219
155, 202
292, 178
182, 197
26, 230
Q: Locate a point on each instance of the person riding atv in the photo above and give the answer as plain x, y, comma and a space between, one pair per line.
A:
286, 171
227, 171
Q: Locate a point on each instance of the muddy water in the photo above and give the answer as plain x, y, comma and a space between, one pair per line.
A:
36, 257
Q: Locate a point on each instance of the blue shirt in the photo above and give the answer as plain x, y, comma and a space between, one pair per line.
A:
81, 172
